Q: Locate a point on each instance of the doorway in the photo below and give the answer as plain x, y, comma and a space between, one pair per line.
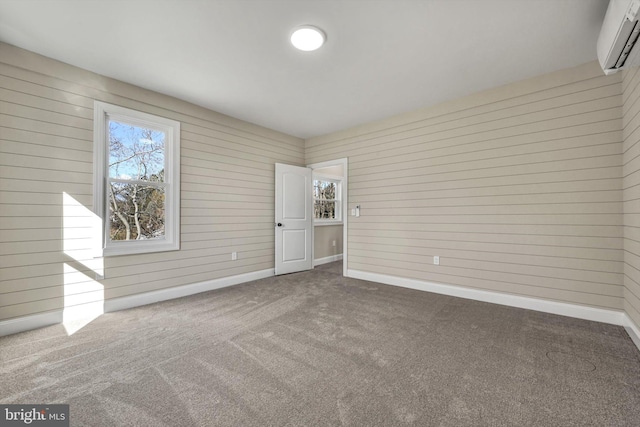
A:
330, 213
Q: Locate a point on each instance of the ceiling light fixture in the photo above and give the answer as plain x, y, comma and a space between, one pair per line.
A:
307, 38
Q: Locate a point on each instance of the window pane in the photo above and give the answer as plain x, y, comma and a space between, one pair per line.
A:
324, 210
324, 190
136, 212
135, 152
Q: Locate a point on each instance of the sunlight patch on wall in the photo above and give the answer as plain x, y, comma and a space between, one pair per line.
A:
83, 300
82, 243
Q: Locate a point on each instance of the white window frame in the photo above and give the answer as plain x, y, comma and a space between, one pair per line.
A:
338, 181
104, 112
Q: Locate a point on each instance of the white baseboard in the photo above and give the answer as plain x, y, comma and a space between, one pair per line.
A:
131, 301
26, 323
327, 259
613, 317
21, 324
632, 330
564, 309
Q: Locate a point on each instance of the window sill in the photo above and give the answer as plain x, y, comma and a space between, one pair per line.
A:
137, 248
323, 223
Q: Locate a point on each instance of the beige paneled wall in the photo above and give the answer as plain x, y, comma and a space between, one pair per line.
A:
517, 189
631, 192
46, 123
323, 238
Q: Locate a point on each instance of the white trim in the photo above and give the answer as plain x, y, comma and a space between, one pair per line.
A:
326, 177
613, 317
99, 158
27, 323
137, 300
321, 223
562, 308
101, 114
327, 259
632, 330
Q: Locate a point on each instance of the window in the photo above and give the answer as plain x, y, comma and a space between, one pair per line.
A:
136, 180
327, 199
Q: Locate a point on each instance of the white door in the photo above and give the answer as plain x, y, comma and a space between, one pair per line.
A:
294, 225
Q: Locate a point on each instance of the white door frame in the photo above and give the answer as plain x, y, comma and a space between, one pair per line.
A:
344, 162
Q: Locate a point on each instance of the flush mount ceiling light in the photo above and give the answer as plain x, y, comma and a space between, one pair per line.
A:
307, 38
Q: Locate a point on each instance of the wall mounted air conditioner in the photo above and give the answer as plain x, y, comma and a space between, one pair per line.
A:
617, 47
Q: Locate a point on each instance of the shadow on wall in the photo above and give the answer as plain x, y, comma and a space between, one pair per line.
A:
83, 265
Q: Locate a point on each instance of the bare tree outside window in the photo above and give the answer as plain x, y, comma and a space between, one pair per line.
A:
136, 183
325, 201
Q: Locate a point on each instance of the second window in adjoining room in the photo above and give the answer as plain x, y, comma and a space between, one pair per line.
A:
327, 199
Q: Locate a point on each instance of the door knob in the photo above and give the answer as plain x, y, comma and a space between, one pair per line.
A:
279, 224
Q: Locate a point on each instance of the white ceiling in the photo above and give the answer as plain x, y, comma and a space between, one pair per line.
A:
382, 57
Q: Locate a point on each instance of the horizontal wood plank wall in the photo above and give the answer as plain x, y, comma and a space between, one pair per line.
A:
517, 189
631, 192
323, 238
46, 132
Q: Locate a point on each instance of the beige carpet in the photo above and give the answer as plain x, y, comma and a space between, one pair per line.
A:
316, 349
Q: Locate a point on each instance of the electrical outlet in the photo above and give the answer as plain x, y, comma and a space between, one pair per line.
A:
334, 243
234, 256
436, 260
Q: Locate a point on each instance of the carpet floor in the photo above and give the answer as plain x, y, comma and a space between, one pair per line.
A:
317, 349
